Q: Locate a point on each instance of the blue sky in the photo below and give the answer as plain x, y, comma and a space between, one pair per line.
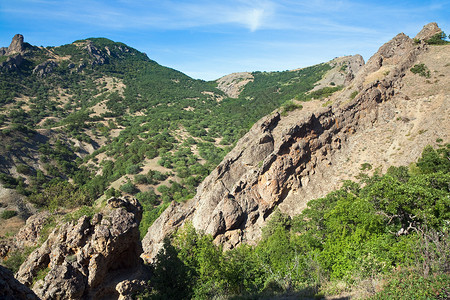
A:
209, 39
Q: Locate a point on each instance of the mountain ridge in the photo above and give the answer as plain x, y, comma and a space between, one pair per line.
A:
284, 163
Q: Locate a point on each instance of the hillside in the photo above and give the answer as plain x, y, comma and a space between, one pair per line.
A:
96, 116
97, 120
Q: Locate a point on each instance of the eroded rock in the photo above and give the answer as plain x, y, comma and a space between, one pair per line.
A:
285, 161
86, 258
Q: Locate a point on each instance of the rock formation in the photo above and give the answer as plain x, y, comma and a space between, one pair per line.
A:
45, 68
428, 31
233, 84
87, 258
285, 161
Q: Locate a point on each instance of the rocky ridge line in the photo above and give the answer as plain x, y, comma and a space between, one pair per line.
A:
278, 161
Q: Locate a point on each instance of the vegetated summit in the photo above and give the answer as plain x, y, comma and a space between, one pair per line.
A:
97, 120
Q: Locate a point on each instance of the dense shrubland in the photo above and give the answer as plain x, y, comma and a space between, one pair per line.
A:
393, 227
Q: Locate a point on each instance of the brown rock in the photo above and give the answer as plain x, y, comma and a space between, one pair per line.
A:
287, 161
428, 31
86, 258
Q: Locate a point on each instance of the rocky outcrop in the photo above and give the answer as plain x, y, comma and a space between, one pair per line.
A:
45, 68
12, 63
344, 69
284, 161
233, 84
29, 234
428, 31
17, 46
96, 54
11, 289
89, 257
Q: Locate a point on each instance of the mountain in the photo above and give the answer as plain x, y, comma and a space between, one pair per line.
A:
383, 117
102, 146
97, 116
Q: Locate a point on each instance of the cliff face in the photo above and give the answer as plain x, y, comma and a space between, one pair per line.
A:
285, 161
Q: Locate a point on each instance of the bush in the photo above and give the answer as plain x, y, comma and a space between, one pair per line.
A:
421, 70
8, 214
408, 285
133, 169
438, 39
23, 169
129, 188
290, 106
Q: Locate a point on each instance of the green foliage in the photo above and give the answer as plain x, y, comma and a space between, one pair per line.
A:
172, 278
24, 169
8, 214
290, 106
410, 285
15, 259
40, 275
421, 70
129, 188
58, 194
438, 39
133, 169
353, 94
396, 221
82, 211
324, 92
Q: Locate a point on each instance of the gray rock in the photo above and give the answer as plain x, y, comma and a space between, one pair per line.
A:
45, 68
428, 31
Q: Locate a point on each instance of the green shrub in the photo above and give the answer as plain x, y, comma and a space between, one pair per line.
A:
410, 285
438, 39
133, 169
129, 188
23, 169
353, 94
421, 70
290, 106
8, 214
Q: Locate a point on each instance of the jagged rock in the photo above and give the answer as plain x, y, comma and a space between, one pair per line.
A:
96, 54
12, 63
86, 258
29, 234
45, 68
428, 31
286, 161
17, 46
128, 288
11, 289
